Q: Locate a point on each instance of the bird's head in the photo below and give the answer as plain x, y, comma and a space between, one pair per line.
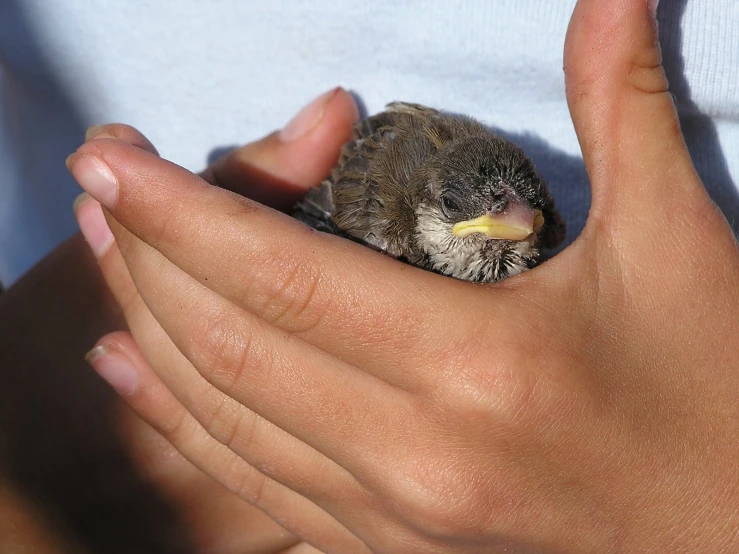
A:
484, 212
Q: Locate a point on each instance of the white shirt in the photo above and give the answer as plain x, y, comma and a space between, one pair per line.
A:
197, 76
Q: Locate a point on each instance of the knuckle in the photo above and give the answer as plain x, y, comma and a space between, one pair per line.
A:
645, 73
483, 385
445, 499
240, 479
128, 134
120, 130
227, 423
294, 302
243, 432
478, 376
251, 488
506, 393
227, 349
591, 60
174, 426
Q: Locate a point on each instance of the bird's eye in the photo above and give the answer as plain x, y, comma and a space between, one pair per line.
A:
449, 206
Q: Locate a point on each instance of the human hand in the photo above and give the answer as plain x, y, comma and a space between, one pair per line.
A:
588, 405
277, 172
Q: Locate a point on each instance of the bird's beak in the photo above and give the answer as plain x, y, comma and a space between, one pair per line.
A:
516, 223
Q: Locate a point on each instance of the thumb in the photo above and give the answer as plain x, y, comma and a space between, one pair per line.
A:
624, 116
278, 169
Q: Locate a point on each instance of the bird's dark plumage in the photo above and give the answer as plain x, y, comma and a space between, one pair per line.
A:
439, 191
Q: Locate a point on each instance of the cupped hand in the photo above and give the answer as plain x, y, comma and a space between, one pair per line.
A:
588, 405
274, 171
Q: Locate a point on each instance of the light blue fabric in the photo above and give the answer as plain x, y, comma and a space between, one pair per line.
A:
196, 76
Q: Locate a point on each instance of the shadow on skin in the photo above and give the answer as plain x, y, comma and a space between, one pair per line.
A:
60, 438
248, 180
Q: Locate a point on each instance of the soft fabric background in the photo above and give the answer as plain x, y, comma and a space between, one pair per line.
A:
198, 76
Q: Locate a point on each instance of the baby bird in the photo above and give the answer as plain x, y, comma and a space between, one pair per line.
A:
438, 191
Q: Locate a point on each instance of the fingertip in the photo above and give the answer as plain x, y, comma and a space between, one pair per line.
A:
111, 362
328, 109
308, 118
93, 131
121, 132
336, 127
307, 161
79, 201
114, 172
277, 171
92, 223
343, 110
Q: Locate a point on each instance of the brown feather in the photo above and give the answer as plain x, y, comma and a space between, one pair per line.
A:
391, 167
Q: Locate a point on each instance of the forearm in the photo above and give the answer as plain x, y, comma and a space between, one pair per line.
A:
72, 454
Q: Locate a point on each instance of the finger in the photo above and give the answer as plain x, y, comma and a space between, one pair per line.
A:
331, 406
117, 359
179, 376
356, 304
624, 115
301, 548
278, 169
122, 132
254, 439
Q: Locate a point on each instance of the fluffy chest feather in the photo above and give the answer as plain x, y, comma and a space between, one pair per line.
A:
472, 259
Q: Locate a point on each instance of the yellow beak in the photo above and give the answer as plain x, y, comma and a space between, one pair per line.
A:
503, 226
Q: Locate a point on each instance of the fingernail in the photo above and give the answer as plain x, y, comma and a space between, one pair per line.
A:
94, 175
93, 225
653, 7
81, 199
115, 368
308, 118
93, 131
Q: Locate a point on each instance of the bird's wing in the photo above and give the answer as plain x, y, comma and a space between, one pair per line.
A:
349, 201
396, 114
357, 205
411, 109
316, 208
